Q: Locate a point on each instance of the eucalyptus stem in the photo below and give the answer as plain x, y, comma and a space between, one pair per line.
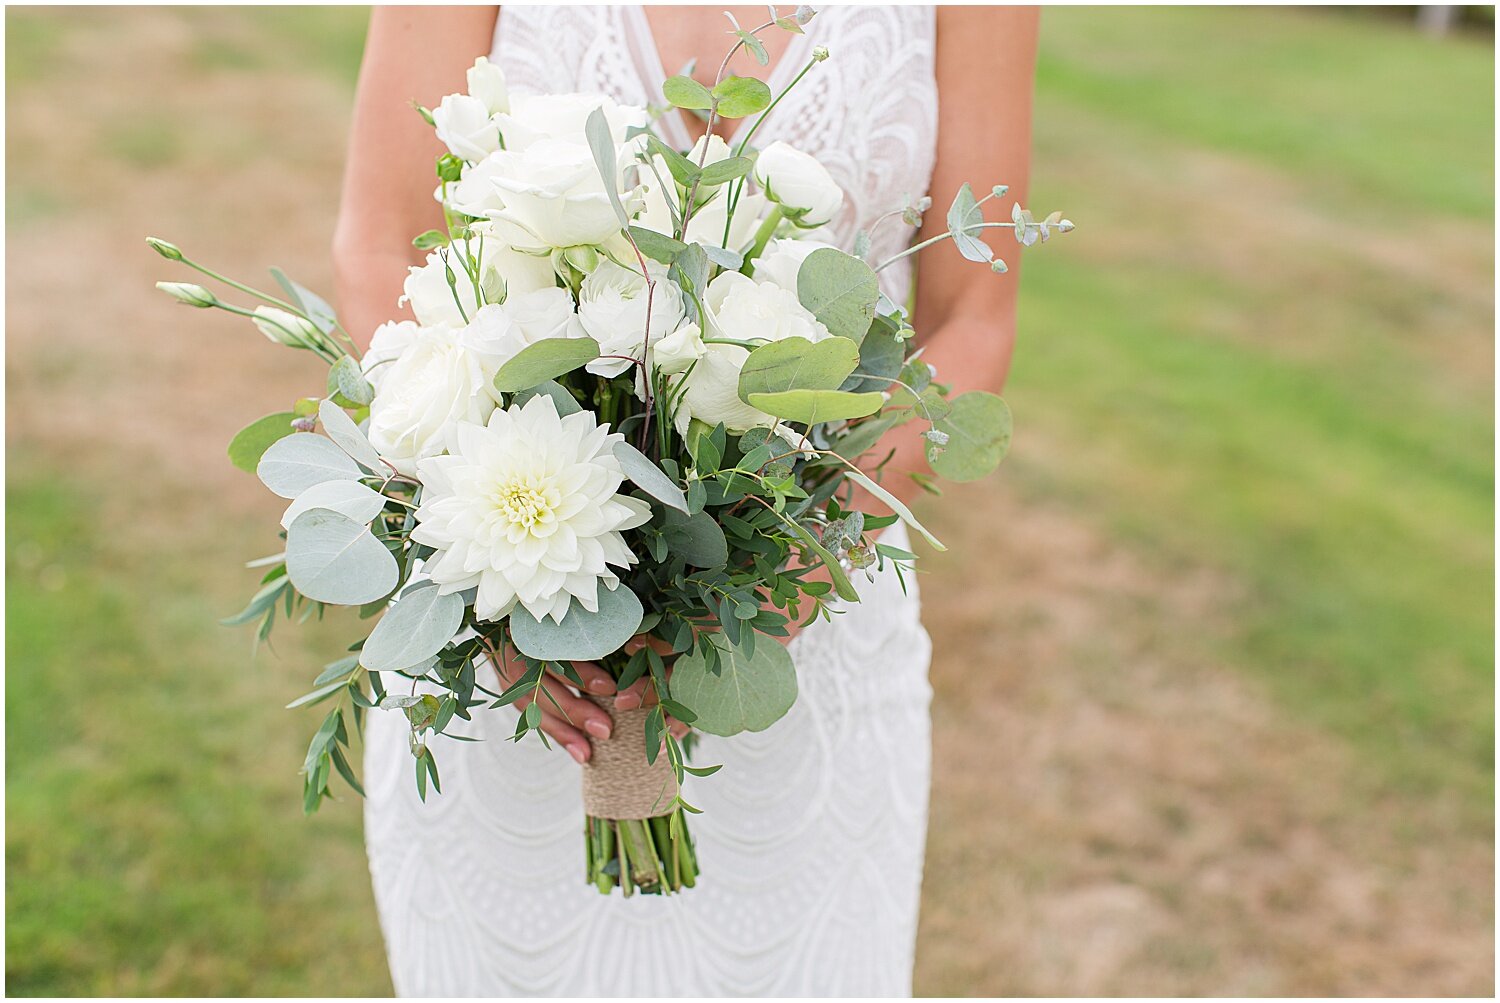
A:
946, 234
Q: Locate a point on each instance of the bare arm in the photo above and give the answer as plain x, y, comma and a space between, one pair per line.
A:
411, 54
966, 315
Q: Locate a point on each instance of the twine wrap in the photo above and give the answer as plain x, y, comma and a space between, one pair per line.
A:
618, 783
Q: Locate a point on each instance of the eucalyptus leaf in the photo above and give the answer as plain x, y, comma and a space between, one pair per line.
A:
697, 539
978, 429
581, 636
649, 477
812, 407
881, 356
726, 259
314, 306
602, 144
565, 402
896, 504
544, 360
346, 378
840, 291
685, 92
741, 96
251, 442
347, 436
349, 498
797, 364
297, 462
964, 218
750, 692
655, 245
728, 169
416, 627
333, 559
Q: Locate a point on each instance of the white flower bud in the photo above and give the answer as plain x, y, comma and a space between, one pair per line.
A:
286, 328
798, 182
820, 53
188, 293
165, 249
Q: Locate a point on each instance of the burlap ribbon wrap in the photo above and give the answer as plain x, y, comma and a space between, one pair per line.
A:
618, 783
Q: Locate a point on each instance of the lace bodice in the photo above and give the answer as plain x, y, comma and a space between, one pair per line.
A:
869, 113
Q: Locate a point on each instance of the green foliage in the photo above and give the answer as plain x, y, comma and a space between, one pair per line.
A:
742, 690
797, 364
978, 434
840, 291
295, 463
416, 627
685, 92
581, 635
649, 477
811, 407
737, 97
333, 559
545, 360
251, 442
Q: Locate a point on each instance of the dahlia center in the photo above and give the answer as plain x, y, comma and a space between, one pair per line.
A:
526, 504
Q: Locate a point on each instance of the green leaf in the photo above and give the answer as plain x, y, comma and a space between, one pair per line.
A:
881, 356
721, 171
896, 504
656, 246
581, 636
840, 291
963, 217
683, 170
649, 477
978, 430
685, 92
841, 583
797, 364
756, 47
251, 442
348, 498
545, 360
602, 144
566, 403
344, 377
333, 559
814, 406
697, 539
749, 693
741, 96
414, 629
297, 462
310, 303
430, 239
347, 436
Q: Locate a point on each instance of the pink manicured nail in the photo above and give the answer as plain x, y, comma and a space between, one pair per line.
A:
627, 701
601, 686
597, 728
577, 754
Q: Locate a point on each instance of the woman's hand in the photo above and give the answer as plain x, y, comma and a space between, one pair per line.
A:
568, 719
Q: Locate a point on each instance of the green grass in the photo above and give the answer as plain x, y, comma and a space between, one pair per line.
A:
1296, 419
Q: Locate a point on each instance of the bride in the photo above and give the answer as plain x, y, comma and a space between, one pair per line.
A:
811, 850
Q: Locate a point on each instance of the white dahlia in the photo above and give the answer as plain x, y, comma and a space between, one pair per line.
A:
525, 508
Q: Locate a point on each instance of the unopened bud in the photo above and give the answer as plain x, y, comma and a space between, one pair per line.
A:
165, 249
304, 424
188, 293
999, 267
820, 53
286, 328
936, 437
1065, 226
999, 191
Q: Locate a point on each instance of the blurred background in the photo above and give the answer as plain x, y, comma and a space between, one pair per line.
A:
1214, 650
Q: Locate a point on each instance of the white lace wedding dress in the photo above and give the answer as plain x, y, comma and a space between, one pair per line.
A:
811, 840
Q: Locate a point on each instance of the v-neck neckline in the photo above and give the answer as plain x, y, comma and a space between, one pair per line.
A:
673, 121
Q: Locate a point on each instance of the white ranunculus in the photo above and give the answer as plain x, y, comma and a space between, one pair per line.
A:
525, 508
503, 271
536, 117
678, 350
612, 307
707, 224
444, 375
782, 260
387, 344
487, 83
543, 314
474, 193
466, 127
797, 181
286, 328
739, 309
553, 194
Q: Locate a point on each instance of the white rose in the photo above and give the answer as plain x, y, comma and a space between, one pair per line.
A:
543, 314
503, 271
782, 260
465, 126
552, 192
474, 193
678, 350
535, 117
387, 344
443, 376
740, 310
612, 308
707, 224
286, 328
487, 83
797, 181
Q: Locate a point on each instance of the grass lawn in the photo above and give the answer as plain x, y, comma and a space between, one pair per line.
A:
1222, 628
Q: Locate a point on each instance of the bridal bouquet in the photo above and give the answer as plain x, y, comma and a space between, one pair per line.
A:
633, 422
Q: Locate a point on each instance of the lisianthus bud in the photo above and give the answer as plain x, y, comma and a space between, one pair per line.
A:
798, 181
165, 249
820, 53
188, 293
286, 328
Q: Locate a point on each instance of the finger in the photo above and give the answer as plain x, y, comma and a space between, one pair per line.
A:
573, 741
677, 728
595, 679
638, 694
640, 641
575, 710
